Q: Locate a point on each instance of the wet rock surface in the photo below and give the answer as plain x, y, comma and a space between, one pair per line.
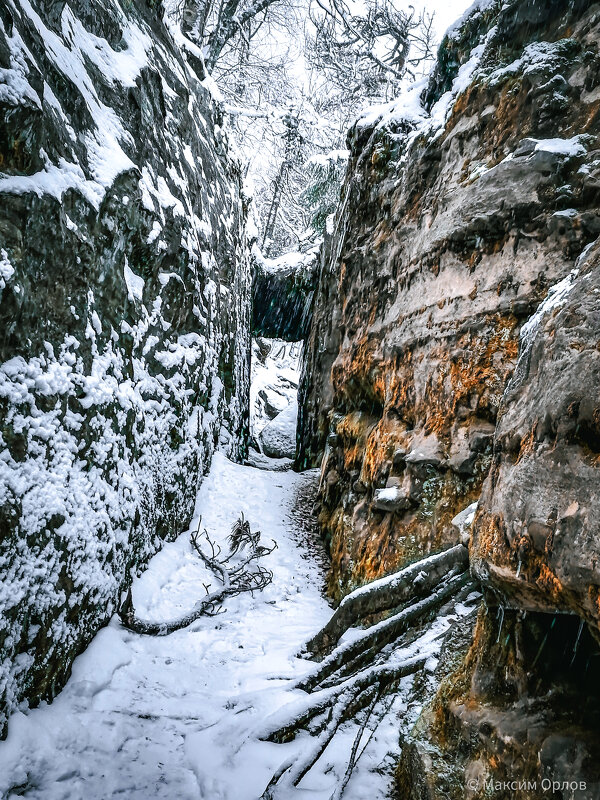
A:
516, 719
282, 294
125, 305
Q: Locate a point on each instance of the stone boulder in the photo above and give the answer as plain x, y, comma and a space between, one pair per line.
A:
278, 438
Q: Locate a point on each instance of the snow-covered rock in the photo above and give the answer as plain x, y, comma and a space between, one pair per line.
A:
282, 293
125, 314
278, 438
463, 522
275, 375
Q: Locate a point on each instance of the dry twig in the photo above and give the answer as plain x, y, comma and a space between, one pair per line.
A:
245, 575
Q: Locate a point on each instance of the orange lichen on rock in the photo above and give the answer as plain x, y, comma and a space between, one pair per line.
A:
379, 447
527, 444
548, 582
491, 536
355, 367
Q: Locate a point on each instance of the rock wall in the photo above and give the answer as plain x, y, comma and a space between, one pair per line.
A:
536, 536
521, 713
282, 293
517, 720
124, 310
460, 362
463, 204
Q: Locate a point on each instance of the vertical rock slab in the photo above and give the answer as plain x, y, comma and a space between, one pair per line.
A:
282, 292
536, 536
125, 299
518, 718
462, 205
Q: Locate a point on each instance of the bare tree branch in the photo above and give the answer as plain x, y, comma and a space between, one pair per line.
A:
245, 576
386, 593
358, 680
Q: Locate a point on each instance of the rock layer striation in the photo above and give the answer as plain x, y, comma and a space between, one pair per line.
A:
461, 207
454, 343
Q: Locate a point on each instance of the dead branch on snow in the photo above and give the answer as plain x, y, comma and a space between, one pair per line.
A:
244, 574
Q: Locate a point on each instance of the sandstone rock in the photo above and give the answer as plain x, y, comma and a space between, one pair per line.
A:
394, 497
425, 450
536, 537
463, 522
449, 234
461, 457
522, 706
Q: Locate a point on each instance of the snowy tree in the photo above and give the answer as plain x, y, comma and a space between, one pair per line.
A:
226, 24
293, 75
324, 174
365, 53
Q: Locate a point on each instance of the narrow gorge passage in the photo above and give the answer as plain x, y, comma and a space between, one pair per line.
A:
299, 399
190, 715
180, 716
169, 717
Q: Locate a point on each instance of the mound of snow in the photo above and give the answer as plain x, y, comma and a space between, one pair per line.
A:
278, 438
274, 381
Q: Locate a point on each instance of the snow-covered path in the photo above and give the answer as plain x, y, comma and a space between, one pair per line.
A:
178, 717
145, 717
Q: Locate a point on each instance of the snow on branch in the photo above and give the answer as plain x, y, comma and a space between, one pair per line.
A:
411, 582
358, 679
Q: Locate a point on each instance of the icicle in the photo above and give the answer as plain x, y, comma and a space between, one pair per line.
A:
501, 616
576, 642
539, 652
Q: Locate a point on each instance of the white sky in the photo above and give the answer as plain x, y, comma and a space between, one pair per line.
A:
446, 12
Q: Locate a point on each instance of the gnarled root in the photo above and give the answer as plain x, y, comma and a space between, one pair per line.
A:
412, 582
357, 680
347, 659
343, 702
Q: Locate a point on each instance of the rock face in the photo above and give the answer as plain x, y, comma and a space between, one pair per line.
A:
461, 358
517, 720
458, 214
125, 315
536, 537
520, 714
282, 293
